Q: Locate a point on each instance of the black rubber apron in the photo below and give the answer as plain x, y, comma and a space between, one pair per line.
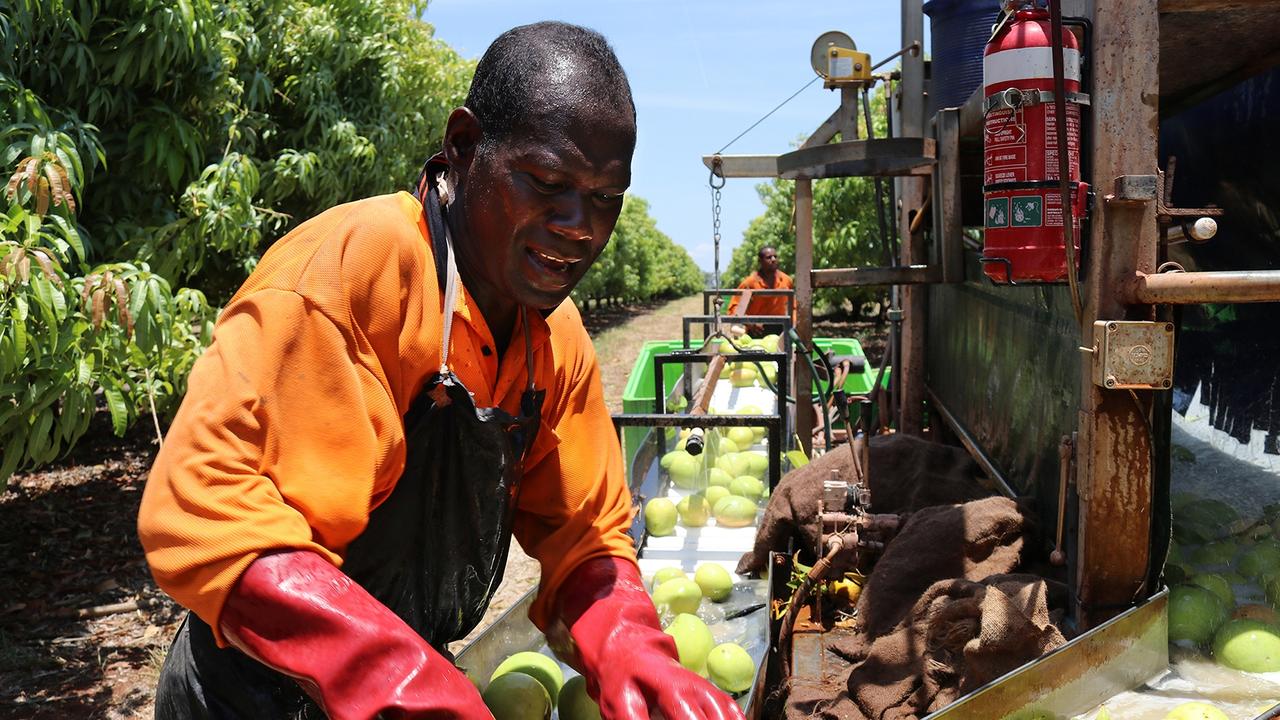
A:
434, 551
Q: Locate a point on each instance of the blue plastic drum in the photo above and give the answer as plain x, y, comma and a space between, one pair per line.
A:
958, 33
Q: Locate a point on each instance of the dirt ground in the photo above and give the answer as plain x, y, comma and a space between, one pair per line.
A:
83, 629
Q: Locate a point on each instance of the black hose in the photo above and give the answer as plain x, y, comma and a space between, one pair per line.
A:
1064, 160
823, 397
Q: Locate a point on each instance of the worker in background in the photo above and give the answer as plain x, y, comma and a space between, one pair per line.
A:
399, 387
766, 277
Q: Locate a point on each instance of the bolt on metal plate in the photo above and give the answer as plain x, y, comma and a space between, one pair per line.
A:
1133, 355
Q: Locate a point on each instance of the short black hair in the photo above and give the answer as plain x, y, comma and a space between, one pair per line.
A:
524, 60
760, 252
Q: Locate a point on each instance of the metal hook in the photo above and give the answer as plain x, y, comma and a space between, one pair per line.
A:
716, 172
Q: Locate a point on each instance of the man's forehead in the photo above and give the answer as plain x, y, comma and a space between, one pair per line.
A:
580, 124
570, 147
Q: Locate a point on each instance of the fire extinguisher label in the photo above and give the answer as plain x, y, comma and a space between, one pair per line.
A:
1051, 140
1027, 211
1053, 211
997, 212
1006, 147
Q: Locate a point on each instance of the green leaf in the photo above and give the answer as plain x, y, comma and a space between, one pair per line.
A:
43, 293
69, 417
797, 458
173, 166
119, 410
71, 163
19, 318
38, 440
84, 370
69, 234
12, 456
8, 361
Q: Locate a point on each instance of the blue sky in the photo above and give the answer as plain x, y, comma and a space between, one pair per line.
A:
701, 72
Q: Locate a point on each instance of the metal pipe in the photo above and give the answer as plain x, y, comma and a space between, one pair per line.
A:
898, 377
913, 48
971, 445
1190, 288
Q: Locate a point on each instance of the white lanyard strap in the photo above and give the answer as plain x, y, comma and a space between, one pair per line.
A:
450, 298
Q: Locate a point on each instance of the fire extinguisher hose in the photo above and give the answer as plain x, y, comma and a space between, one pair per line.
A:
1064, 160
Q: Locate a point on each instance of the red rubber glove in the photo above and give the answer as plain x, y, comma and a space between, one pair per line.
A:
298, 614
630, 664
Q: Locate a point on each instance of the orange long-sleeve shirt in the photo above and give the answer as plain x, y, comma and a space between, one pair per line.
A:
292, 427
764, 304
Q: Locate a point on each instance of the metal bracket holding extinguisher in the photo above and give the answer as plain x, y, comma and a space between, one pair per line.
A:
1014, 98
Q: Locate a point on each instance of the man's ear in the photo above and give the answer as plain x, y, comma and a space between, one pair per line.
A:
462, 136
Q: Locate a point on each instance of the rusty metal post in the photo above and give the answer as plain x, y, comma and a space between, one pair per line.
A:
909, 378
947, 231
1114, 451
804, 311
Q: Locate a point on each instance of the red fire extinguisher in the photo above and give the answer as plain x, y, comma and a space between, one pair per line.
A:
1021, 192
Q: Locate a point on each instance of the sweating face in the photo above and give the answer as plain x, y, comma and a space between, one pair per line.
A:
539, 205
768, 260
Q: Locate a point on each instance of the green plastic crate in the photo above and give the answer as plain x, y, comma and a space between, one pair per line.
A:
637, 397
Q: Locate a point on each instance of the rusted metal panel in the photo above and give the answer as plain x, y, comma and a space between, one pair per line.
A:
1209, 45
1114, 452
804, 309
904, 275
1075, 678
971, 115
1198, 6
1189, 288
1005, 361
976, 451
882, 156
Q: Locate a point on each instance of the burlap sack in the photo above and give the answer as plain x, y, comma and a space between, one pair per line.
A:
907, 474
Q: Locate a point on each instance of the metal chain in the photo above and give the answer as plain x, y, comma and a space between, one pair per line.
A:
716, 181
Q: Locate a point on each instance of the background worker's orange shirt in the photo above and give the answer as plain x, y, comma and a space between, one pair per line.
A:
292, 428
764, 304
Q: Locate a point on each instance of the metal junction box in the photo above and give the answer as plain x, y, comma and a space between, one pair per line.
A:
1133, 355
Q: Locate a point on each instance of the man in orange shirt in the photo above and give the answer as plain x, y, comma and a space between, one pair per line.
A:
766, 277
399, 387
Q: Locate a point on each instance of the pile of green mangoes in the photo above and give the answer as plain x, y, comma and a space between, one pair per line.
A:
727, 481
747, 373
678, 597
1225, 578
529, 685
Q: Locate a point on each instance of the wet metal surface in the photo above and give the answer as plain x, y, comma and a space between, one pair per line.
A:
975, 450
1004, 361
1116, 656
